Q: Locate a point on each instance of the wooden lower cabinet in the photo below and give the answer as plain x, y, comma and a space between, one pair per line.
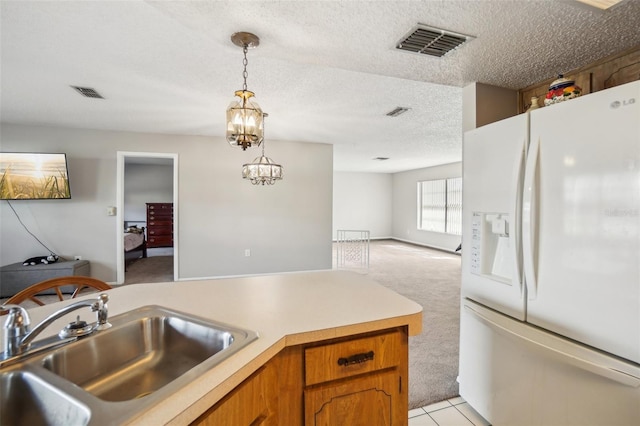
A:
371, 400
360, 380
252, 403
357, 381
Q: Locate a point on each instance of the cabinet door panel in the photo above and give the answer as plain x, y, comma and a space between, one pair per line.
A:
367, 401
252, 403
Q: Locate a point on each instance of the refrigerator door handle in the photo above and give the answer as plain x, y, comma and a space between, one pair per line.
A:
514, 234
571, 353
528, 219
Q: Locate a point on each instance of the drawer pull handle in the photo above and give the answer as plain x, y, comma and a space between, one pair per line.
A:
356, 359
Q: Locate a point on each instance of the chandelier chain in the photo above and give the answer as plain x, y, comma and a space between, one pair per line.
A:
264, 115
245, 74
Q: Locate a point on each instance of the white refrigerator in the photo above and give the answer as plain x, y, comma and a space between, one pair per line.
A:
550, 312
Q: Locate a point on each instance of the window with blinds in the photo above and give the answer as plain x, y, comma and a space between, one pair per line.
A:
440, 205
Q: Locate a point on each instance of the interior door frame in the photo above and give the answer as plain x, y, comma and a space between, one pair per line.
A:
121, 157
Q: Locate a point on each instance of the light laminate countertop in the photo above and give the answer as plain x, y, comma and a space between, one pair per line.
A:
285, 309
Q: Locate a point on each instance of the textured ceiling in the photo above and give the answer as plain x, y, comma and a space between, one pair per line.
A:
325, 71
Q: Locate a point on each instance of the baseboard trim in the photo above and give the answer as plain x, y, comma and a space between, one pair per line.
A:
415, 243
260, 274
371, 239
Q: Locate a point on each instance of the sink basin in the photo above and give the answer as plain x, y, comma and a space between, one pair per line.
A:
144, 351
28, 400
114, 375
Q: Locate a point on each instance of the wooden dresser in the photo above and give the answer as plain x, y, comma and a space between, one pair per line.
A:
159, 225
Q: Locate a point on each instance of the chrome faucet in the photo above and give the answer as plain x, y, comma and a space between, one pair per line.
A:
18, 337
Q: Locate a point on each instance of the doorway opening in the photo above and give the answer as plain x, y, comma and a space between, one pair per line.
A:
147, 181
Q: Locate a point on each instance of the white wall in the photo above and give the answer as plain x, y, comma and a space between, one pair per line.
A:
146, 183
405, 210
362, 201
386, 204
287, 226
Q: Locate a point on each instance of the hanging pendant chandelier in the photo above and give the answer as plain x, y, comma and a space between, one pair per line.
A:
244, 116
262, 170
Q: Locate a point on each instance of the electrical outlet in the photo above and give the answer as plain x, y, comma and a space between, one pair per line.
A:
247, 252
77, 257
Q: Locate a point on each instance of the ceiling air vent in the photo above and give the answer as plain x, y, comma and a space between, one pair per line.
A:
381, 158
431, 41
396, 112
88, 92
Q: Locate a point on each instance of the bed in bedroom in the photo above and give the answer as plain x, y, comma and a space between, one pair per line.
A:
135, 244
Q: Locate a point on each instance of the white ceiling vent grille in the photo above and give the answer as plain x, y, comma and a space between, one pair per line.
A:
88, 92
431, 41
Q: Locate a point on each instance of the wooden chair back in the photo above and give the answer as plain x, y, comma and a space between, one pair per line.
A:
78, 283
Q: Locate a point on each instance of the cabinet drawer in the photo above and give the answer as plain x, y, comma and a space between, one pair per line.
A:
160, 241
159, 230
352, 357
158, 222
168, 207
156, 216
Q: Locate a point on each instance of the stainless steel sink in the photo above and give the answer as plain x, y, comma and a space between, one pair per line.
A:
140, 357
28, 400
110, 376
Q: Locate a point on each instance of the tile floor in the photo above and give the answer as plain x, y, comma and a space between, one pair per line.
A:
452, 412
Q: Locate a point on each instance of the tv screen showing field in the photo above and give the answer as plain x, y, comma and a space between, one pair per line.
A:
33, 176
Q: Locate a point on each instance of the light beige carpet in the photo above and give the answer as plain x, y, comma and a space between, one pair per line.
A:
153, 269
431, 278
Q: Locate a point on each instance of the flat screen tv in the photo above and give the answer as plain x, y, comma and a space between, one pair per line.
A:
33, 176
